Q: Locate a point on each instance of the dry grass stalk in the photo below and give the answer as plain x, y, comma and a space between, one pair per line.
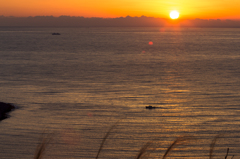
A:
105, 137
227, 153
42, 146
178, 141
212, 145
143, 149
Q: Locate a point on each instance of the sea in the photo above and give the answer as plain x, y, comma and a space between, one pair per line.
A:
90, 86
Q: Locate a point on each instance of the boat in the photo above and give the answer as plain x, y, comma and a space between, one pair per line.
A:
56, 34
150, 107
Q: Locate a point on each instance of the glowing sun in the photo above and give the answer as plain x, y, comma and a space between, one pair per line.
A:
174, 14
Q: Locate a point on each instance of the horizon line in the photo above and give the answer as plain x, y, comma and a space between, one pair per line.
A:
128, 16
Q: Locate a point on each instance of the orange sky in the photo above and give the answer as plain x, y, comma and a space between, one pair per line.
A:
190, 9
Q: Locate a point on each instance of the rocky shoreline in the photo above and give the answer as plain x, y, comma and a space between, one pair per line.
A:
5, 108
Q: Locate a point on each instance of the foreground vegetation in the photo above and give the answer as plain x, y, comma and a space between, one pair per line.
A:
143, 153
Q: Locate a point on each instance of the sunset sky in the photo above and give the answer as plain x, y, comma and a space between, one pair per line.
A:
188, 9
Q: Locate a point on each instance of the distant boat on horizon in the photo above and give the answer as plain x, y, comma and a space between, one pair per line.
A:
56, 34
150, 107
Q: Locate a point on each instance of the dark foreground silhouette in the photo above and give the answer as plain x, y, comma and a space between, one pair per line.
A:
4, 109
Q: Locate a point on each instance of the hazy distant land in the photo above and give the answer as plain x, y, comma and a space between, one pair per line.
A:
143, 21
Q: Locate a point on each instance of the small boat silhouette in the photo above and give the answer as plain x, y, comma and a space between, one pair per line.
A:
56, 34
150, 107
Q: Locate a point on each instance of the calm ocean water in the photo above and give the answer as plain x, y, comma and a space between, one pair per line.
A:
78, 84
